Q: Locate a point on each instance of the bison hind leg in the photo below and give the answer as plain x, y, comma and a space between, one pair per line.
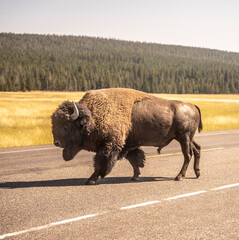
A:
197, 154
187, 150
136, 158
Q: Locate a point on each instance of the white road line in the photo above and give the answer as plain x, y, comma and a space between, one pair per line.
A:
139, 205
185, 195
29, 150
122, 208
47, 226
226, 186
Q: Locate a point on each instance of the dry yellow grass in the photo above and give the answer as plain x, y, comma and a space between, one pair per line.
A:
218, 115
25, 117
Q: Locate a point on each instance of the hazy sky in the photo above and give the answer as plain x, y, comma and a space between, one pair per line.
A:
201, 23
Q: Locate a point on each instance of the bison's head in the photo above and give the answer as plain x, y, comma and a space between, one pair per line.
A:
69, 128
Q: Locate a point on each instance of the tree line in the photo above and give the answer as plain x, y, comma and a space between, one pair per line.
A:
70, 63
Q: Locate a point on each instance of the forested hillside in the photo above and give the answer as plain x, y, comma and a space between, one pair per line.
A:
70, 63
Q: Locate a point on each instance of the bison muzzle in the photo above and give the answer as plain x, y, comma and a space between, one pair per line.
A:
115, 123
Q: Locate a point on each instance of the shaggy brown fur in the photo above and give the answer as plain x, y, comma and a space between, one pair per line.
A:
114, 123
111, 110
70, 134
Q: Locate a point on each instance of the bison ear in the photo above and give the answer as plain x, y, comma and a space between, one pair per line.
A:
84, 115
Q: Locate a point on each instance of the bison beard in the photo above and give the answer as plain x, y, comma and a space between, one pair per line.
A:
69, 153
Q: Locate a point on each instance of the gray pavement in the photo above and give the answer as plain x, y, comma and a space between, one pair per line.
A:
43, 197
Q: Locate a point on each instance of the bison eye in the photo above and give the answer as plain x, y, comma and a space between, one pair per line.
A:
65, 127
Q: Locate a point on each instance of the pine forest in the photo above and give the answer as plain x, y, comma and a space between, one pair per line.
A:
79, 63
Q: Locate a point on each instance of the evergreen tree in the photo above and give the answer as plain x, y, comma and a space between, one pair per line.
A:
68, 63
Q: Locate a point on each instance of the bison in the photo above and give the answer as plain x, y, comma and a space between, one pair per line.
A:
114, 123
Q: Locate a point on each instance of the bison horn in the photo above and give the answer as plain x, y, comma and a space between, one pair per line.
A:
75, 115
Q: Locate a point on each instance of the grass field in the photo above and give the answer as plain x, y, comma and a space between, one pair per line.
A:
25, 117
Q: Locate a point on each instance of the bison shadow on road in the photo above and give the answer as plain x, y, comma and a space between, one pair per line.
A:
78, 182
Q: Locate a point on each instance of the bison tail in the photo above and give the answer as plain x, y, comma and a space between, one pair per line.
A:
200, 126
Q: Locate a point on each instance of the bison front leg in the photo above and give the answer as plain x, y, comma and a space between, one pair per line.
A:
136, 158
93, 178
104, 161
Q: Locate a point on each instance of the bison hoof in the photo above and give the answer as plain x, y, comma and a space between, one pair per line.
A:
197, 175
90, 182
136, 179
159, 150
178, 178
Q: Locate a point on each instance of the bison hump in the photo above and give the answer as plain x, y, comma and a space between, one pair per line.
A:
111, 109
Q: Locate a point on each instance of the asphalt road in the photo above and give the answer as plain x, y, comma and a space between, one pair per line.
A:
43, 197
